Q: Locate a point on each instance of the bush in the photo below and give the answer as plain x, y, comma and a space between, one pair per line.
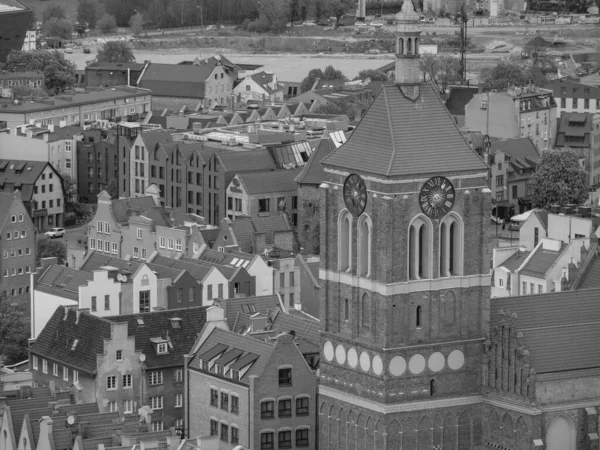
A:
258, 26
61, 28
246, 23
25, 91
106, 23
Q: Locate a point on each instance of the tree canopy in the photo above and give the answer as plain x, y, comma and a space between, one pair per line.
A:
441, 69
59, 28
115, 52
337, 8
87, 12
59, 73
330, 73
559, 179
47, 248
136, 23
505, 74
373, 74
106, 23
13, 330
53, 11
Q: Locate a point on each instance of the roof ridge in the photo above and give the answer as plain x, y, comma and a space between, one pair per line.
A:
550, 327
389, 117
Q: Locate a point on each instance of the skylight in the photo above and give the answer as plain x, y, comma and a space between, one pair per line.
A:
75, 342
234, 261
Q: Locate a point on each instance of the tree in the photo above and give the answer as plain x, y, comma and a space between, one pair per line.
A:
60, 28
48, 248
53, 11
106, 23
87, 12
341, 107
13, 330
505, 74
274, 13
113, 188
59, 73
330, 73
559, 179
337, 8
374, 75
69, 188
115, 51
136, 23
441, 69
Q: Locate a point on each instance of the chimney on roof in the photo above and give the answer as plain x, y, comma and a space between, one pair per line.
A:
51, 127
46, 427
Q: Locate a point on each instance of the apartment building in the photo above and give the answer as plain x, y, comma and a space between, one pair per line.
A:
97, 165
572, 96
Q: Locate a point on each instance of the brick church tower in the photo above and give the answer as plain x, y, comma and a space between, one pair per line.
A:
405, 277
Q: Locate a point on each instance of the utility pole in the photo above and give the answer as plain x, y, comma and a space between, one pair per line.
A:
462, 16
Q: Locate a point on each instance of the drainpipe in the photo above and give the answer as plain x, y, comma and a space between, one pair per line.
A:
128, 77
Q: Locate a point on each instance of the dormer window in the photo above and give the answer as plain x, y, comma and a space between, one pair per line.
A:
235, 374
162, 348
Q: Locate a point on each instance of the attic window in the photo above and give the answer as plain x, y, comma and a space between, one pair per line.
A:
175, 322
74, 346
140, 321
162, 348
235, 374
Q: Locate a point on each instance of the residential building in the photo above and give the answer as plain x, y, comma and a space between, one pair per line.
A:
262, 194
255, 265
122, 363
105, 74
457, 101
249, 314
512, 164
255, 234
286, 281
310, 288
78, 108
259, 87
30, 79
41, 188
581, 132
15, 18
145, 287
175, 85
31, 41
18, 248
572, 96
137, 174
56, 145
519, 112
97, 165
249, 392
309, 179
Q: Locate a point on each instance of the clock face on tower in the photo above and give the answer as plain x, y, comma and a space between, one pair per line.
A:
437, 197
355, 194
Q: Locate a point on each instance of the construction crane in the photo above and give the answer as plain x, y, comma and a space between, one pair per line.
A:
462, 18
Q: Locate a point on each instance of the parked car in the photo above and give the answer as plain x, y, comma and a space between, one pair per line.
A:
68, 50
55, 233
86, 50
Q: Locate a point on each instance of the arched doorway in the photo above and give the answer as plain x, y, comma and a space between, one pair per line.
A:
561, 434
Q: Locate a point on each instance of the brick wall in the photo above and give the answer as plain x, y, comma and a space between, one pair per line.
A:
308, 217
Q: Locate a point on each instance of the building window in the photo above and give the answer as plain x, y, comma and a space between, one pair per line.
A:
127, 381
524, 288
170, 242
191, 294
163, 242
285, 377
499, 180
156, 402
144, 254
302, 438
144, 301
574, 103
93, 303
157, 425
75, 376
106, 302
214, 398
178, 400
156, 377
235, 404
285, 439
115, 248
224, 432
178, 375
35, 362
263, 205
112, 407
500, 282
235, 435
161, 348
285, 408
536, 236
55, 369
140, 233
220, 290
178, 245
420, 249
225, 401
346, 310
302, 406
267, 409
128, 406
267, 441
214, 427
111, 383
209, 293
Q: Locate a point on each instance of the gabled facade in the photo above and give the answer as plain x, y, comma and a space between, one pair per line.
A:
261, 86
97, 165
254, 235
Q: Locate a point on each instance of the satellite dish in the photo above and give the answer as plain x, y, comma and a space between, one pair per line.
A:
71, 420
142, 357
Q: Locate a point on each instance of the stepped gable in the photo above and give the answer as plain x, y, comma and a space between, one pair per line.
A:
384, 140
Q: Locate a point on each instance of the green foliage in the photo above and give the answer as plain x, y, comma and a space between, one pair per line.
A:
441, 69
122, 10
59, 73
113, 188
505, 74
13, 330
47, 248
340, 108
61, 28
337, 8
106, 23
69, 188
559, 180
21, 92
275, 13
53, 11
374, 75
330, 73
115, 51
87, 12
136, 23
246, 23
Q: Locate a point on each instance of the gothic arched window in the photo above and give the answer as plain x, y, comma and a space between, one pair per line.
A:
419, 249
419, 316
345, 241
365, 312
364, 245
451, 246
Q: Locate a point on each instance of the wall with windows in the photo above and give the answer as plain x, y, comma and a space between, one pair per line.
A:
287, 282
104, 233
139, 238
48, 200
102, 295
145, 291
140, 168
164, 393
171, 242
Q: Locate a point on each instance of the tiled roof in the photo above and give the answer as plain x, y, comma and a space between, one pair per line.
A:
123, 207
314, 268
246, 161
59, 134
158, 324
244, 229
576, 125
305, 327
591, 278
395, 137
24, 178
175, 80
227, 271
210, 235
257, 183
518, 148
263, 79
62, 281
458, 99
151, 138
254, 351
560, 329
238, 310
56, 340
6, 201
573, 89
542, 215
313, 171
97, 260
114, 66
197, 271
515, 261
233, 259
541, 261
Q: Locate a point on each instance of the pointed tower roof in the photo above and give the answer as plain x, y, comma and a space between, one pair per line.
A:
398, 136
